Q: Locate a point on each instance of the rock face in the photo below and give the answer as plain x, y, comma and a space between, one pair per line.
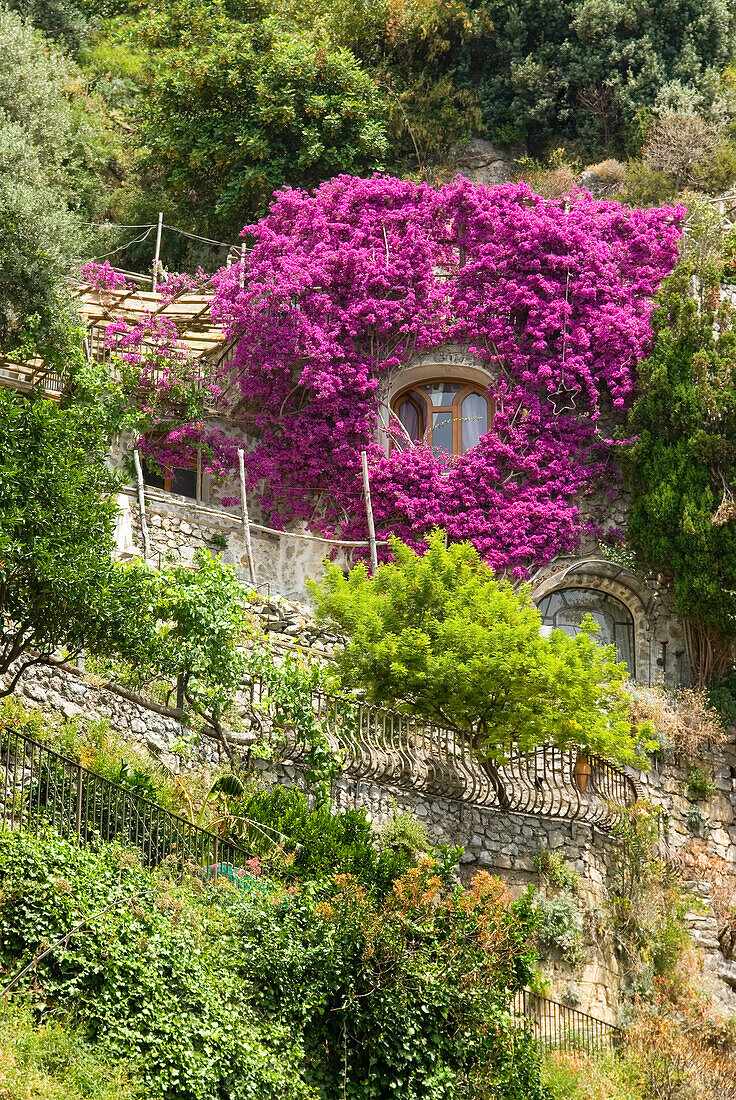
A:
483, 162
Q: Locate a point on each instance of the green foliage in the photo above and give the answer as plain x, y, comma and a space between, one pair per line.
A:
560, 925
602, 1076
682, 468
594, 66
646, 905
326, 844
440, 635
60, 589
203, 991
50, 1061
236, 109
722, 697
698, 784
407, 999
555, 868
191, 624
53, 147
405, 834
153, 981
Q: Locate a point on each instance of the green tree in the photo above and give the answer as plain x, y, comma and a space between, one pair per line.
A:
543, 69
59, 589
682, 469
439, 635
237, 109
53, 147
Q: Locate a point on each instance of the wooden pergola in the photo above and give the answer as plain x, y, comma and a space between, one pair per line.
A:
203, 339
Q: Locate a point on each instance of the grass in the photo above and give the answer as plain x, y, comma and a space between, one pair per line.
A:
51, 1062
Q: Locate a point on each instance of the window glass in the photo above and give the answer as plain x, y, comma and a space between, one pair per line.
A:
184, 482
474, 420
566, 609
155, 480
442, 393
442, 432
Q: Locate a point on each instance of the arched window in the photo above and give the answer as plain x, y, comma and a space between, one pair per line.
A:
449, 416
566, 609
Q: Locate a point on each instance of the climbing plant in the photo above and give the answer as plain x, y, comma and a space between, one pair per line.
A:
683, 465
341, 288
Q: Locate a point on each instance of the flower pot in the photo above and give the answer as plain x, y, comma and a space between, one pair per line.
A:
581, 772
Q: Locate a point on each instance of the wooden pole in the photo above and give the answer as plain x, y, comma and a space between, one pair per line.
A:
157, 254
242, 266
142, 505
246, 520
369, 512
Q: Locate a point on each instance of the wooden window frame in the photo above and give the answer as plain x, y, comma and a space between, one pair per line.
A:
454, 409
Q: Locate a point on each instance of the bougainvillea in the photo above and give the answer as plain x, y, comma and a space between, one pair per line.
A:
341, 288
162, 382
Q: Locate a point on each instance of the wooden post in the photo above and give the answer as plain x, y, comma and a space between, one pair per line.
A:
369, 512
142, 505
242, 266
157, 254
198, 487
246, 520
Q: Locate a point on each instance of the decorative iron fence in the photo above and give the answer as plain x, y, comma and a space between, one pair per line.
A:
557, 1027
397, 750
40, 787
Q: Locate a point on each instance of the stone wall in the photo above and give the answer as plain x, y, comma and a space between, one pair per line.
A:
501, 843
177, 526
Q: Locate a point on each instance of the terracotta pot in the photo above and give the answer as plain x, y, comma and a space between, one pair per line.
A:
581, 772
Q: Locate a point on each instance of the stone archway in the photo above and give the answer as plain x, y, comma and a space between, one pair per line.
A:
624, 609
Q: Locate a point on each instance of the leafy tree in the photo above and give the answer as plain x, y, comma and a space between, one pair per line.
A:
191, 624
440, 635
63, 20
582, 69
683, 466
52, 149
59, 589
237, 109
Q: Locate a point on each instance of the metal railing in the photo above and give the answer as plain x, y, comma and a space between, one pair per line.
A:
40, 787
558, 1027
394, 749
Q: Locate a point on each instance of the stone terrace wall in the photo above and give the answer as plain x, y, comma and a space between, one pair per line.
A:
501, 843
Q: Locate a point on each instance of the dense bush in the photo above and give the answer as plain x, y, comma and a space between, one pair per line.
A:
204, 991
407, 999
327, 843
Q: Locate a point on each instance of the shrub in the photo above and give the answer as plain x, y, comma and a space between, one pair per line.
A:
645, 186
715, 172
558, 872
406, 834
560, 925
153, 981
408, 998
326, 843
50, 1061
698, 784
684, 721
205, 991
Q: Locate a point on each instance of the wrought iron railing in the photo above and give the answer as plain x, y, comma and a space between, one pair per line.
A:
40, 787
559, 1027
397, 750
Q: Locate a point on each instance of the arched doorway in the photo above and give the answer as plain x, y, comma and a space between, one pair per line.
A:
566, 608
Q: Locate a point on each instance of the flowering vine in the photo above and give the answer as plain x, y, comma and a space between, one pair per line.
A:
341, 288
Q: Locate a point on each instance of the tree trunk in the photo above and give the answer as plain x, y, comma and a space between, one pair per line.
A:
710, 654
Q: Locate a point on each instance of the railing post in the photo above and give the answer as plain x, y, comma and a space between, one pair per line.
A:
216, 851
79, 800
